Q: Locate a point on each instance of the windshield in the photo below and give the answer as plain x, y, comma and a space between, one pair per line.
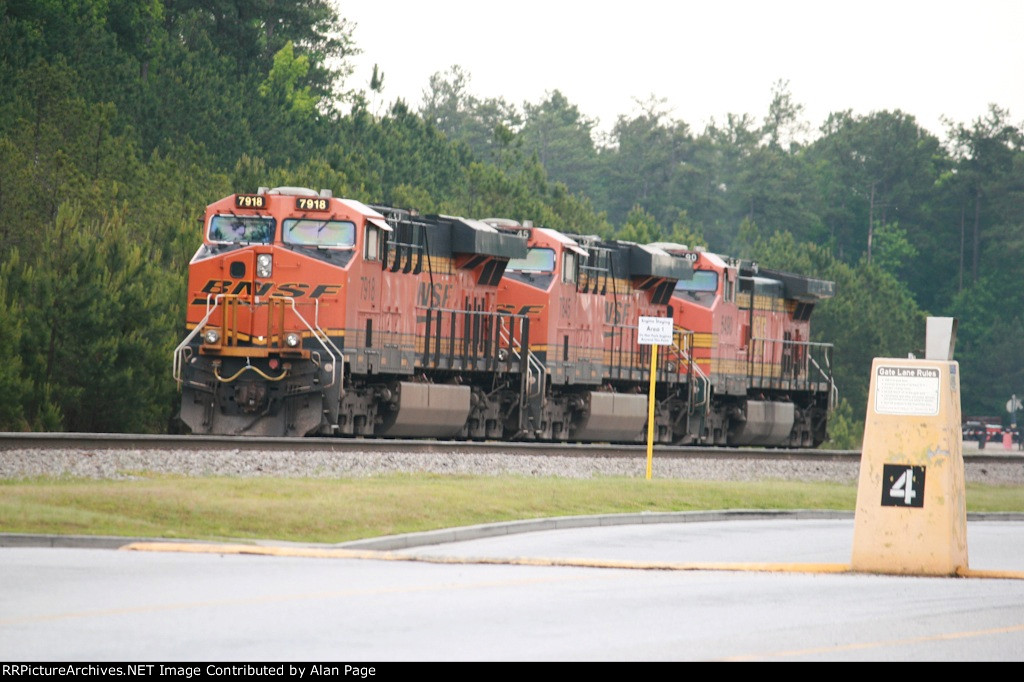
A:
239, 229
537, 260
703, 280
313, 232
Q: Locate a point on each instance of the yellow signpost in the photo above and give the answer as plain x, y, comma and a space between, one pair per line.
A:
653, 332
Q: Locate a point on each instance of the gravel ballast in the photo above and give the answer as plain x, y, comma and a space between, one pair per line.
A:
117, 463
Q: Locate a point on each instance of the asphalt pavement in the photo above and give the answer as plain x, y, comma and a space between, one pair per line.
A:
708, 586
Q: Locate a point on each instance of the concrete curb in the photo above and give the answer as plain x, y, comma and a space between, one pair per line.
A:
488, 530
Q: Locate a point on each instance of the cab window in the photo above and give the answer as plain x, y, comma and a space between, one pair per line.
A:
312, 232
537, 260
568, 267
371, 249
701, 289
236, 229
703, 280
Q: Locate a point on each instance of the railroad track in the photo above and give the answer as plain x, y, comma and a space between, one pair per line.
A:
104, 441
126, 455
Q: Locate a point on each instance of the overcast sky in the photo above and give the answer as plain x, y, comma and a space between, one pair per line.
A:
708, 58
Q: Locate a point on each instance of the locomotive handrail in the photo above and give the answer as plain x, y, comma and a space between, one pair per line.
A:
484, 335
775, 370
534, 366
693, 370
213, 302
179, 352
533, 371
337, 362
833, 393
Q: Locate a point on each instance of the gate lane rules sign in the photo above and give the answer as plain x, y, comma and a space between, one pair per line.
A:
907, 390
654, 331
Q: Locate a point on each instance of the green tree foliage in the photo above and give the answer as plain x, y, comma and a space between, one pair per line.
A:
871, 315
988, 191
282, 86
845, 429
892, 250
562, 139
122, 119
640, 227
105, 324
988, 348
251, 33
873, 170
15, 388
486, 126
684, 233
647, 166
402, 149
768, 181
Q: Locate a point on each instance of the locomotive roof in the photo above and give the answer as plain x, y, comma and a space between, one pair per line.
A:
797, 287
802, 288
649, 259
476, 236
568, 242
360, 207
676, 249
794, 286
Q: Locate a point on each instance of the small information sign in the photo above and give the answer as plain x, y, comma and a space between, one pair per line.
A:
655, 331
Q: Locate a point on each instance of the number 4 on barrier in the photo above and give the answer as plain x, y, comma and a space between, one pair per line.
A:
902, 486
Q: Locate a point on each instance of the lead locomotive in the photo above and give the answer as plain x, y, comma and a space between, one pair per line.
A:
313, 315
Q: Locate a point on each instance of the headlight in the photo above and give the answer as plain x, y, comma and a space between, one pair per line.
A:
211, 336
291, 339
264, 265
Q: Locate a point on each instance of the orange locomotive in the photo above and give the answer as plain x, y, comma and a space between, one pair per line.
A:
583, 297
309, 314
755, 378
313, 315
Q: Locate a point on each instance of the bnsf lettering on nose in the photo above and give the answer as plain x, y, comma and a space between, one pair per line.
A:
616, 313
287, 289
433, 295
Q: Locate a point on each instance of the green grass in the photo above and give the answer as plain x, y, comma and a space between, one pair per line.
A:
337, 510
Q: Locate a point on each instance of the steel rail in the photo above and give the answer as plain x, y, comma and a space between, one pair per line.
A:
10, 441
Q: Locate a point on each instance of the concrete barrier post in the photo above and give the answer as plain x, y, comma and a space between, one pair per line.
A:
911, 514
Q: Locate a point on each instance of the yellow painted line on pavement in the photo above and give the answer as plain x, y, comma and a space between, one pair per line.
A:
328, 553
338, 553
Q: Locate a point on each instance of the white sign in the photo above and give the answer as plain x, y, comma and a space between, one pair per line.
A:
1013, 405
907, 391
655, 331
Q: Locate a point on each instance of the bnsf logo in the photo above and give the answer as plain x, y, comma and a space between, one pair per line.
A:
433, 295
288, 289
509, 309
618, 312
